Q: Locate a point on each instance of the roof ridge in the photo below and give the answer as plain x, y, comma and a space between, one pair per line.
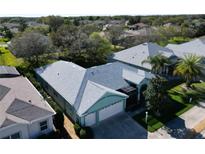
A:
81, 91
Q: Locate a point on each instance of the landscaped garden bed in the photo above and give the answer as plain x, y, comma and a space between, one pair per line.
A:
177, 104
155, 122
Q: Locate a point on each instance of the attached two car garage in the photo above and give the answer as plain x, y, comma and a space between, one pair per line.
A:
104, 113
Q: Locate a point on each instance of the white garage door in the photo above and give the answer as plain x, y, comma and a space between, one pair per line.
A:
110, 111
90, 119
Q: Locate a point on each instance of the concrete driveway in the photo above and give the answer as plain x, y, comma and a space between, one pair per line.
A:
121, 126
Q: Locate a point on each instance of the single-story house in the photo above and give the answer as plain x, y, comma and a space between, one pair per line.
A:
136, 55
23, 111
91, 95
196, 46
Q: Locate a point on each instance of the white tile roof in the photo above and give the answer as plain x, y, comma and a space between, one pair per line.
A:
196, 46
65, 77
136, 55
77, 84
7, 70
93, 92
136, 77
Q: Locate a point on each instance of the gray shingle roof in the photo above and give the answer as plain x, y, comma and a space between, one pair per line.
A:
77, 84
196, 46
137, 54
26, 111
7, 122
3, 91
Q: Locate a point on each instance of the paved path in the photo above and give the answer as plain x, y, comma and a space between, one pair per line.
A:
200, 126
69, 127
177, 128
201, 135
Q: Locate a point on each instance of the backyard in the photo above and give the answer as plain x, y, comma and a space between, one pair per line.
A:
8, 59
180, 100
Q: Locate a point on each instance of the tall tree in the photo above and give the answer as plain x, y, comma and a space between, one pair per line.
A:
99, 48
65, 36
22, 25
114, 34
190, 67
54, 22
30, 45
155, 94
157, 62
7, 33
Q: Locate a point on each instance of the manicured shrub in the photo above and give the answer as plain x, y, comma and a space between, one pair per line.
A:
89, 132
83, 134
77, 128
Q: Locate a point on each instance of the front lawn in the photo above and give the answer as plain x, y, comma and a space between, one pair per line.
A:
196, 92
177, 104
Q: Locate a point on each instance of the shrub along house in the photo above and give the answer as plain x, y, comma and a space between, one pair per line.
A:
23, 111
91, 95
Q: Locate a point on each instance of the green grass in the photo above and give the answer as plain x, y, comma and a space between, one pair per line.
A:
8, 59
177, 104
4, 40
196, 91
152, 123
173, 40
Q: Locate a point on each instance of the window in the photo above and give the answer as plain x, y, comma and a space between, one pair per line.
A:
13, 136
43, 125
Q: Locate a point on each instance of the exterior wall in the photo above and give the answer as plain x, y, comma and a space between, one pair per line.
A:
67, 108
104, 102
98, 107
22, 128
27, 130
34, 128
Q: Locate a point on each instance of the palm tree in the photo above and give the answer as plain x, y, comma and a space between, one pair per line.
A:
157, 62
189, 68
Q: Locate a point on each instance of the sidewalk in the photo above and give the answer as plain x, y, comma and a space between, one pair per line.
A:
70, 128
200, 126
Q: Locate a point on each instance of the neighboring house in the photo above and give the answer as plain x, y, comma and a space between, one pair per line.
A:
136, 55
23, 111
91, 95
138, 26
196, 46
